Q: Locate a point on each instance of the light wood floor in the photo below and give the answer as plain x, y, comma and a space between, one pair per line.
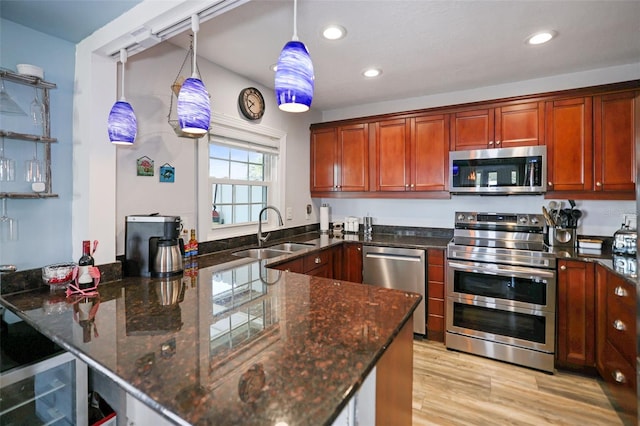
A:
454, 388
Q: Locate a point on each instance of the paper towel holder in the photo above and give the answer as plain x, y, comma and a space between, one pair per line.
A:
324, 219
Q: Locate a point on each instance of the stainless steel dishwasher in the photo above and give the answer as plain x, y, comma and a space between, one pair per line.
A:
400, 269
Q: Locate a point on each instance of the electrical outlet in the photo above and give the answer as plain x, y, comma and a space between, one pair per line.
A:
289, 213
308, 212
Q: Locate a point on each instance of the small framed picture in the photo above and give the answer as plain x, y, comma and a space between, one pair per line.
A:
144, 166
167, 173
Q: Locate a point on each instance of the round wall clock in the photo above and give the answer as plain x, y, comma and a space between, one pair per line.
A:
251, 103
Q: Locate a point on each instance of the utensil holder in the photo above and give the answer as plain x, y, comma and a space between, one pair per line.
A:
561, 237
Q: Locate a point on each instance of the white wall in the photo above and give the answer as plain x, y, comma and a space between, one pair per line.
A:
600, 217
149, 76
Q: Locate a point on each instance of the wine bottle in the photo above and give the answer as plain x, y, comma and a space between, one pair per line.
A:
193, 244
85, 280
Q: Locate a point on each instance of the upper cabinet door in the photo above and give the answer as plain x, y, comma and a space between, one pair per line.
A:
519, 125
392, 155
430, 153
614, 141
324, 157
569, 144
472, 130
353, 166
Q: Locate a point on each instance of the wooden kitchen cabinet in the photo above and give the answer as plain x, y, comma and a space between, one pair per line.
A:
616, 339
576, 319
319, 264
591, 147
411, 154
435, 294
352, 262
569, 144
294, 265
614, 142
340, 158
507, 126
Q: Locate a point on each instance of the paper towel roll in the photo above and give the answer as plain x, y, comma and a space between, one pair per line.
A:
324, 218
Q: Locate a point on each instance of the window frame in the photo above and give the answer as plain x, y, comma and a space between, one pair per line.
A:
232, 128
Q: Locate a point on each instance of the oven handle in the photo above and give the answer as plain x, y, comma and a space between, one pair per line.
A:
495, 269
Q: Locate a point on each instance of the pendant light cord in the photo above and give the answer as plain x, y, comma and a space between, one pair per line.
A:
195, 26
123, 59
295, 21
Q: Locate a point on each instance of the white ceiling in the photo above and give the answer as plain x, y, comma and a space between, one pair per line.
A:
424, 47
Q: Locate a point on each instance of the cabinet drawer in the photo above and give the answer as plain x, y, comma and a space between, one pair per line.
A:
436, 307
435, 257
620, 295
617, 370
435, 290
620, 377
316, 260
291, 266
435, 273
621, 332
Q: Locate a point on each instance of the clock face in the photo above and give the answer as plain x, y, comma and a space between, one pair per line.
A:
251, 103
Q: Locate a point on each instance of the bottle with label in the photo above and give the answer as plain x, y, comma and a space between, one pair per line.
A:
193, 244
85, 280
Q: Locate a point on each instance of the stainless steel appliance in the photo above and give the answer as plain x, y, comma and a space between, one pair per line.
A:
143, 235
400, 269
498, 171
501, 289
625, 241
167, 260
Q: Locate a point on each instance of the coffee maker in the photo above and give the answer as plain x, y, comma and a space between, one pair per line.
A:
153, 247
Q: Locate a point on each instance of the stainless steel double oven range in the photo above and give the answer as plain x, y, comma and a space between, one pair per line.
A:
501, 289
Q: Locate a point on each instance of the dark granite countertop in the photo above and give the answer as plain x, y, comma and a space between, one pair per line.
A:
237, 343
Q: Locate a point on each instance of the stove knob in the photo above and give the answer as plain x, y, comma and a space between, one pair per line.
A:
524, 219
534, 220
470, 217
460, 217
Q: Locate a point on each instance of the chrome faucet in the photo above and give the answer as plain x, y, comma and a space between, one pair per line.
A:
262, 239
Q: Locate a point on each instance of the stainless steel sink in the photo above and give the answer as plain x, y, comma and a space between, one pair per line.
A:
261, 253
291, 247
274, 251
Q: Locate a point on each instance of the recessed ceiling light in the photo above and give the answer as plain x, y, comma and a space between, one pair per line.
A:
372, 72
334, 32
541, 37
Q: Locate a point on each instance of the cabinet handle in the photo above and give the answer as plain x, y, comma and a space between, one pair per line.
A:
563, 267
490, 143
619, 325
406, 185
598, 184
618, 376
318, 260
359, 248
619, 291
549, 183
412, 185
287, 270
497, 142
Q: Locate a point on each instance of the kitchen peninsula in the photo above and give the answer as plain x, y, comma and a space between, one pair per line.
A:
238, 343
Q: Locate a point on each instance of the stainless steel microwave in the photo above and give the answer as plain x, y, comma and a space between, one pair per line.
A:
498, 171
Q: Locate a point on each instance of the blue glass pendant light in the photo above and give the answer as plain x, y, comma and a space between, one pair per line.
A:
122, 123
294, 79
194, 108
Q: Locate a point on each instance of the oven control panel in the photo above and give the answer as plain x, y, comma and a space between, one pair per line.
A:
506, 220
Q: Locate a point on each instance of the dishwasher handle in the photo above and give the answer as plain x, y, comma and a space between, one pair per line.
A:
393, 257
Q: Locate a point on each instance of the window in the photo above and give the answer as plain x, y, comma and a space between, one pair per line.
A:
241, 181
241, 174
